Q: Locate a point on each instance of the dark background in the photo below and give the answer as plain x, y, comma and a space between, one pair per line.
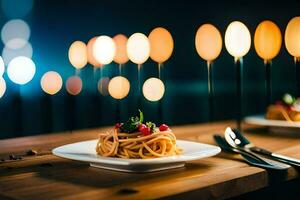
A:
56, 24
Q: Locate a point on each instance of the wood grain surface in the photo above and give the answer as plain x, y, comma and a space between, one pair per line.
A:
45, 176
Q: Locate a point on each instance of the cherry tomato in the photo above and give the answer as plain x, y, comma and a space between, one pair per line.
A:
146, 131
118, 125
163, 127
142, 126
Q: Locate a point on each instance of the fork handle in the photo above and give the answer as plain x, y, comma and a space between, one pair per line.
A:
292, 161
261, 151
286, 159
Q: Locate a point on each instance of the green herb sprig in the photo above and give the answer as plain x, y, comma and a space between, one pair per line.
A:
132, 124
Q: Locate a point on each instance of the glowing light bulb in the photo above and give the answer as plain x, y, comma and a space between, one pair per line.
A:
118, 87
51, 82
138, 48
16, 8
104, 49
121, 53
161, 44
267, 40
2, 67
90, 57
74, 85
78, 54
2, 86
292, 37
103, 85
237, 39
15, 34
153, 89
9, 54
21, 70
208, 42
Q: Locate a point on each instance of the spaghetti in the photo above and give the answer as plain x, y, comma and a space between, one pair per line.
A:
282, 113
287, 109
136, 145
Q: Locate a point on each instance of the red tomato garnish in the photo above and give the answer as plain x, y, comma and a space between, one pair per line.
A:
146, 131
118, 125
163, 127
142, 126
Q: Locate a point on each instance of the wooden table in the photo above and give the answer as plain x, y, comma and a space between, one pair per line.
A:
44, 176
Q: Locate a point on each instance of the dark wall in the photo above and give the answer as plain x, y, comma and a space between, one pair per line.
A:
56, 24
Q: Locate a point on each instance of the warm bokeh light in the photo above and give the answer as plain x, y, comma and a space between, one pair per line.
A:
104, 49
267, 40
90, 57
51, 82
103, 85
208, 42
74, 85
237, 39
2, 86
78, 54
121, 53
161, 44
21, 70
138, 48
153, 89
2, 67
118, 87
8, 54
292, 37
16, 8
15, 34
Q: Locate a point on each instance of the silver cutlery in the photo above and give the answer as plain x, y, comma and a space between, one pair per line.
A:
243, 142
248, 157
234, 142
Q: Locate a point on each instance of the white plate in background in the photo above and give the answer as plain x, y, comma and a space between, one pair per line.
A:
274, 125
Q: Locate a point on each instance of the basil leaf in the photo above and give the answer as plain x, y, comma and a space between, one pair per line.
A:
141, 116
132, 124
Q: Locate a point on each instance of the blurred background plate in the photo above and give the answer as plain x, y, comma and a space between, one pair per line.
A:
274, 125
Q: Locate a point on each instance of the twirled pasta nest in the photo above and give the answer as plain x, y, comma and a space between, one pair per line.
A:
136, 145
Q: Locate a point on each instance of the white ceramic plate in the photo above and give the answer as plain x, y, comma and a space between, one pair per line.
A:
85, 151
274, 125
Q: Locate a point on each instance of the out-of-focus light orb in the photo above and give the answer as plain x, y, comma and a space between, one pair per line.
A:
208, 42
21, 70
2, 66
51, 82
161, 44
15, 34
118, 87
103, 86
121, 52
74, 85
104, 49
8, 54
292, 37
237, 39
90, 57
78, 54
138, 48
16, 8
267, 40
2, 86
153, 89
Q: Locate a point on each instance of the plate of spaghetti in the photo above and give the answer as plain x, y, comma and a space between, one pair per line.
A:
283, 116
135, 146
